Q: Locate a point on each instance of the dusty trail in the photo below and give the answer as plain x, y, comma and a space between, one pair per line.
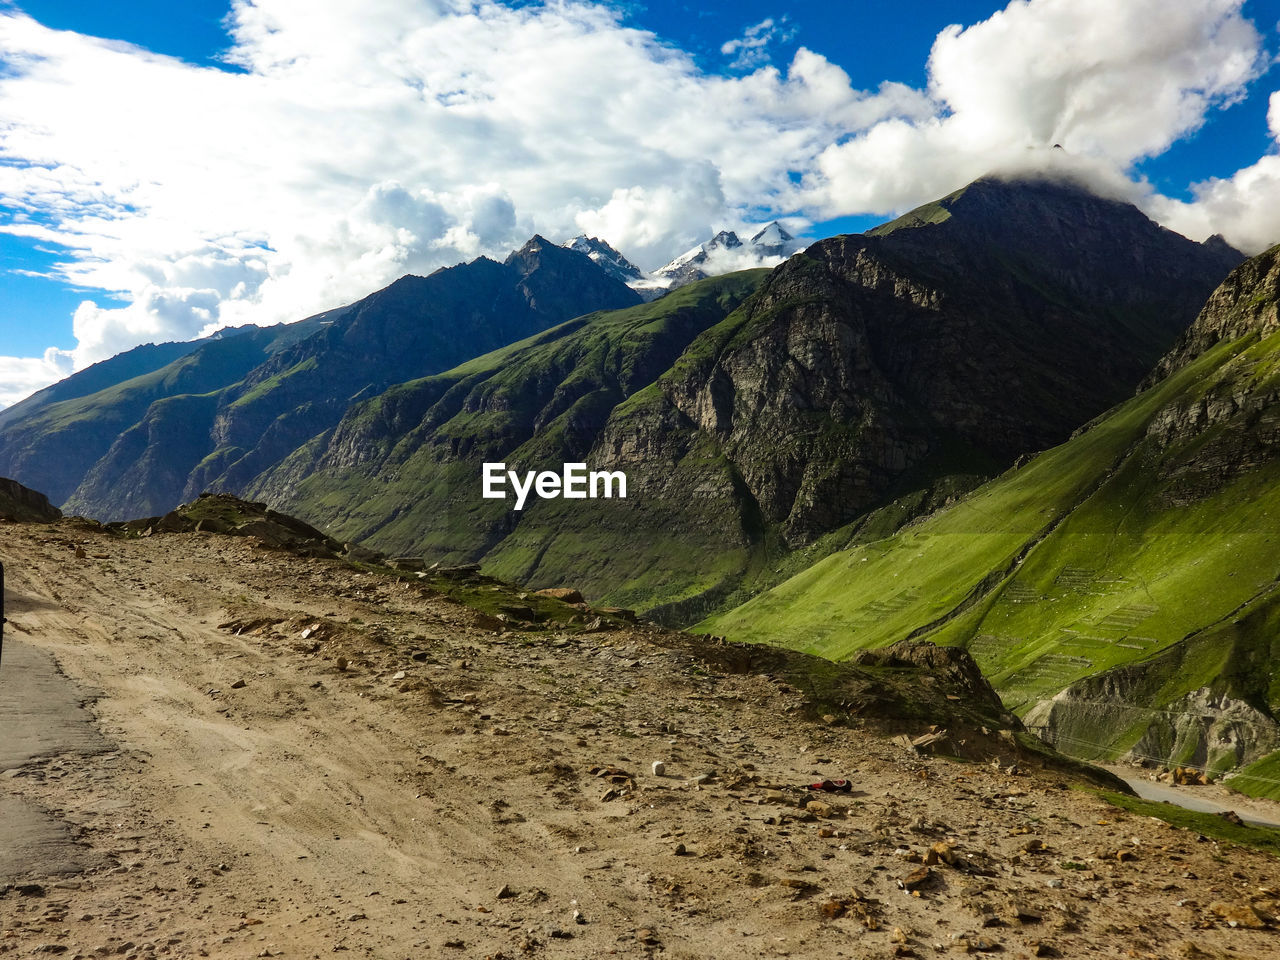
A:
255, 800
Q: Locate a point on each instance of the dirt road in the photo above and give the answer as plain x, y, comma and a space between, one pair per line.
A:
1204, 799
459, 792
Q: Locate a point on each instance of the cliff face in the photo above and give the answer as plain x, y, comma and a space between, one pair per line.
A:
1245, 303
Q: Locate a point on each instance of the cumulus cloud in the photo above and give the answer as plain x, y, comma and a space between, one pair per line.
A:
355, 143
1241, 207
1111, 82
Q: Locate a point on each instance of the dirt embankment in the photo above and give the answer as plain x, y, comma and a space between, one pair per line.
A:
304, 758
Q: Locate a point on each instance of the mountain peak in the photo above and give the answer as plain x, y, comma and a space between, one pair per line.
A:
605, 257
772, 233
726, 252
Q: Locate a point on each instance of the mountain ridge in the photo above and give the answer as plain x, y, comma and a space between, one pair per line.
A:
865, 381
232, 407
1121, 590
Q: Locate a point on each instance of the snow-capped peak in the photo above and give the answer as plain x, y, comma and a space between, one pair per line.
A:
772, 235
607, 258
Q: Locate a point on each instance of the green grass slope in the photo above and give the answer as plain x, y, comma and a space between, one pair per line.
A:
402, 471
63, 433
1149, 539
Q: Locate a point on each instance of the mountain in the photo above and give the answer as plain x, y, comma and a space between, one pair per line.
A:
53, 438
402, 470
1122, 591
231, 408
606, 258
862, 383
724, 252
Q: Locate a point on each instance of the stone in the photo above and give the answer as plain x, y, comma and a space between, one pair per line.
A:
916, 879
820, 809
566, 594
832, 909
931, 742
505, 892
659, 768
981, 945
1024, 913
239, 684
945, 852
1239, 915
398, 675
342, 663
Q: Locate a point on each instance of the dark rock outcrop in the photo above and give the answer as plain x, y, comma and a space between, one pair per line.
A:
23, 505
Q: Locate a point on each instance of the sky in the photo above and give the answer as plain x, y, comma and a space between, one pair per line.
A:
168, 169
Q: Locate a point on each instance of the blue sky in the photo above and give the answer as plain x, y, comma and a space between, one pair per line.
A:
295, 155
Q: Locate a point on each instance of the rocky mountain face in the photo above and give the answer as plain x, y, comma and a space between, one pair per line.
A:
864, 381
606, 258
233, 407
1122, 590
402, 470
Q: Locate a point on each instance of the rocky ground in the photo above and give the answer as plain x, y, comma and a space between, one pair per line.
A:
305, 758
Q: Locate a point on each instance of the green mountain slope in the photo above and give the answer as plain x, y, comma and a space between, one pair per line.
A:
402, 471
137, 435
1121, 589
53, 438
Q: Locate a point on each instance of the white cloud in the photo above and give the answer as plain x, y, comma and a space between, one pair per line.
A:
1241, 207
1111, 82
751, 50
365, 141
22, 376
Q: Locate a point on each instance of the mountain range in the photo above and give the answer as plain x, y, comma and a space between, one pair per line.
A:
927, 430
723, 253
231, 407
764, 419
